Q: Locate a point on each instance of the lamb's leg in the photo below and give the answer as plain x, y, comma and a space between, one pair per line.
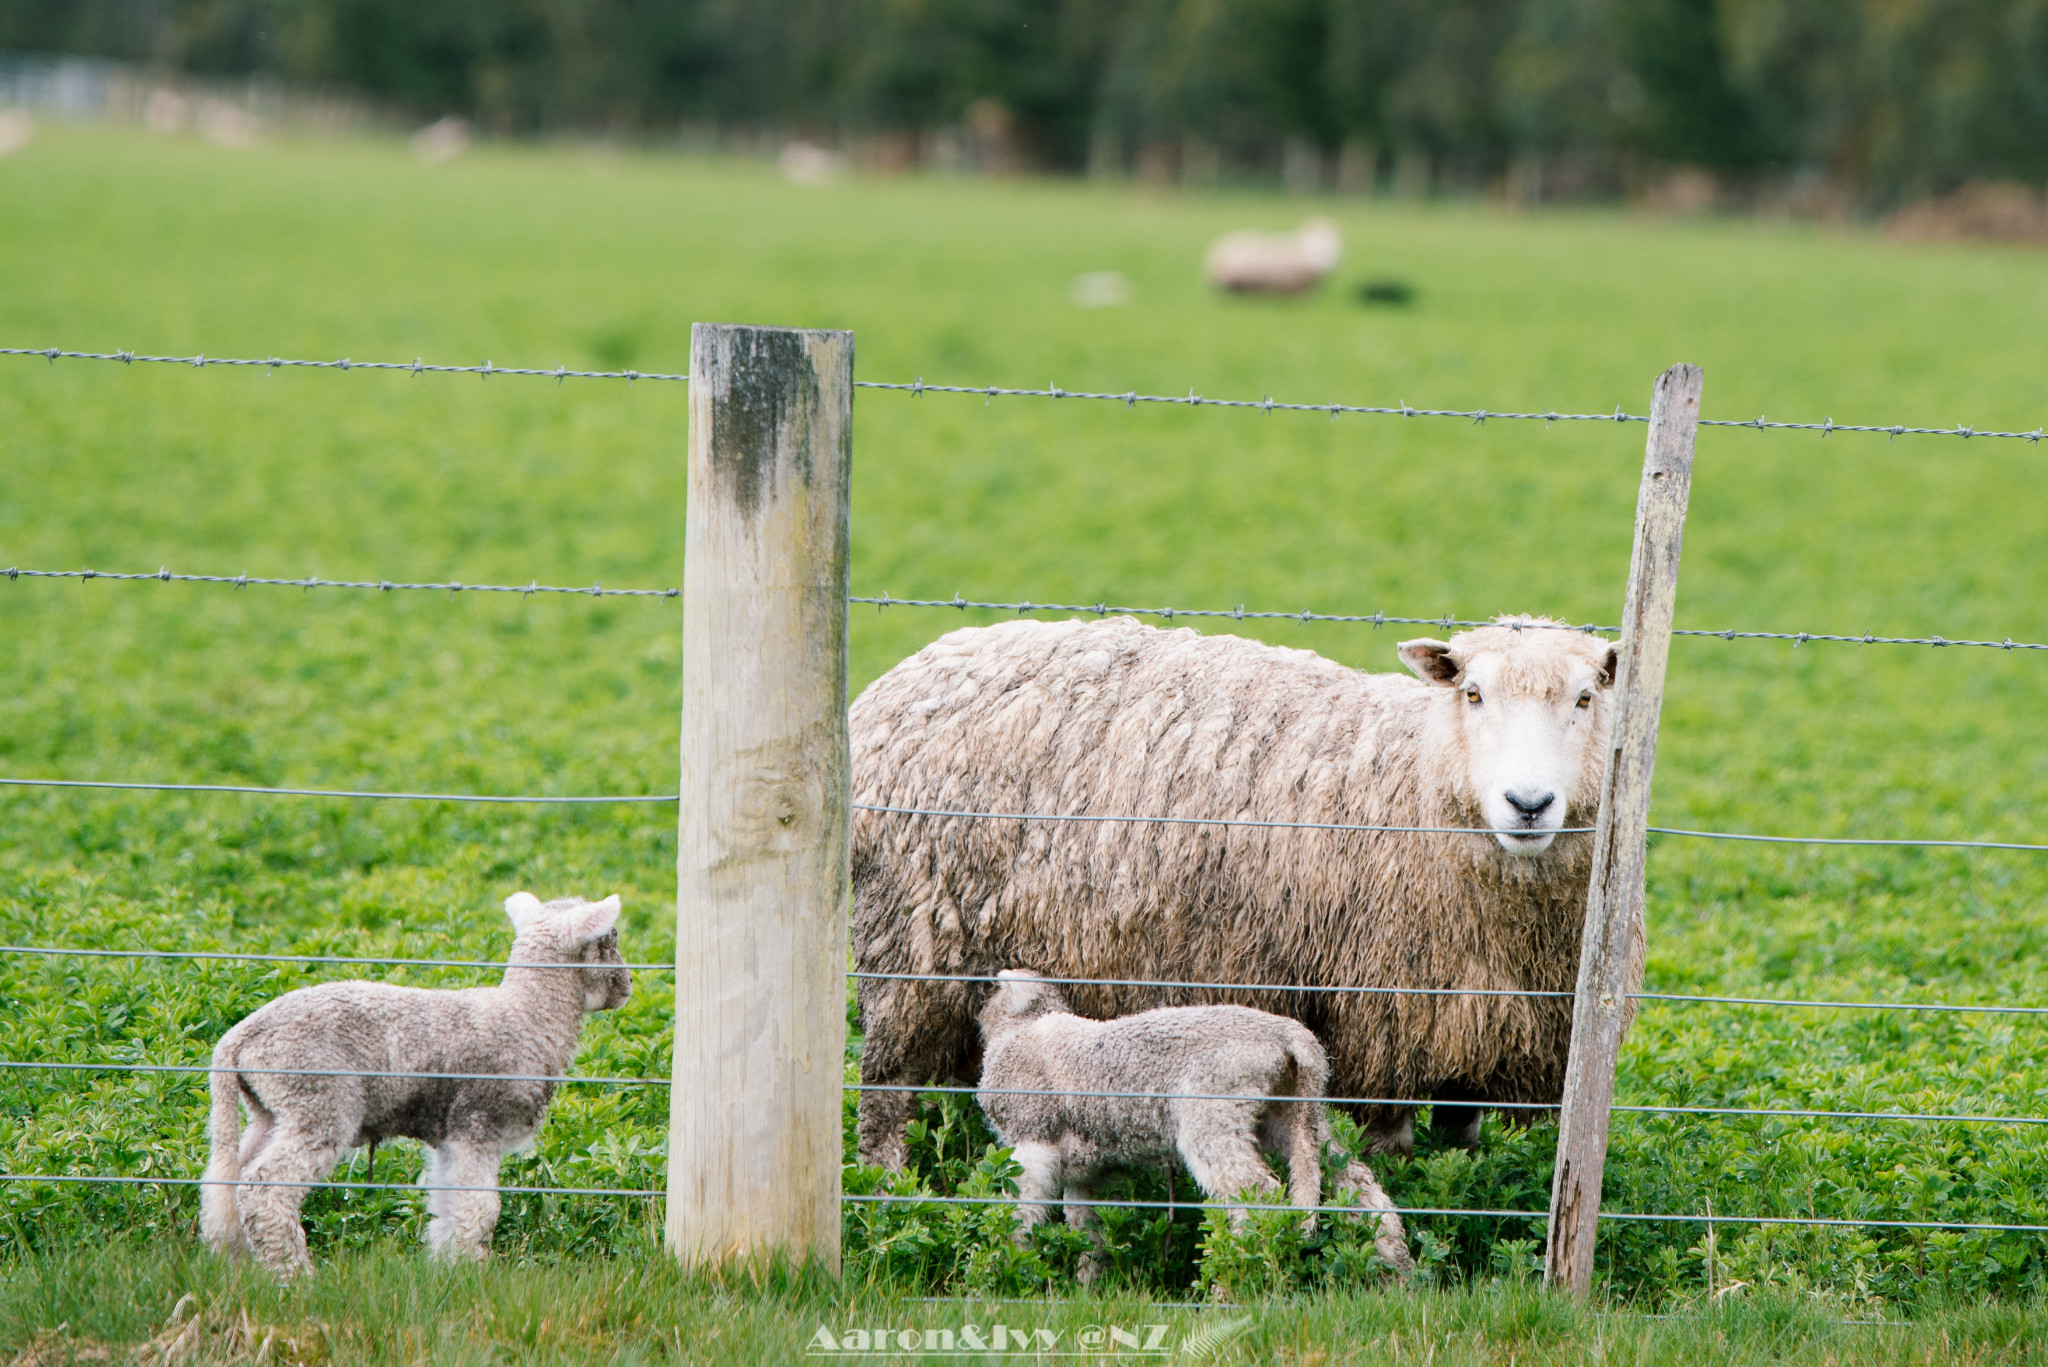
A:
1081, 1216
270, 1196
462, 1198
1392, 1241
1222, 1153
1037, 1184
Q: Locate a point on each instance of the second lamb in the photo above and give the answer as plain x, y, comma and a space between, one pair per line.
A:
1179, 1068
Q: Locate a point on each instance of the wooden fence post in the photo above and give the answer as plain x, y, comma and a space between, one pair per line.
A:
763, 838
1610, 953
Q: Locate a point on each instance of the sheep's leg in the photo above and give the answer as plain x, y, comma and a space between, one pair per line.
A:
1221, 1150
1392, 1241
879, 1129
1456, 1124
270, 1198
1395, 1137
462, 1198
1080, 1215
1037, 1184
256, 1134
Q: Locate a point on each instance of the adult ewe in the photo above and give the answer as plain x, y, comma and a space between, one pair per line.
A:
1504, 729
329, 1068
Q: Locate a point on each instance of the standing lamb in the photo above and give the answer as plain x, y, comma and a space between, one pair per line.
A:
299, 1126
1187, 1058
1274, 263
1504, 730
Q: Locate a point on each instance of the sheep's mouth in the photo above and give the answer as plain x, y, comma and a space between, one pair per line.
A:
1526, 841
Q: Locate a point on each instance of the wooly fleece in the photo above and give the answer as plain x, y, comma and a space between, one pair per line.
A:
1116, 718
1193, 1055
300, 1126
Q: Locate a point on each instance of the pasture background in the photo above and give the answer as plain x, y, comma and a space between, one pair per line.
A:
531, 255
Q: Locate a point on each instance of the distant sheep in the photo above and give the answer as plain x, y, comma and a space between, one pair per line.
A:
1034, 1045
300, 1126
1274, 263
1505, 729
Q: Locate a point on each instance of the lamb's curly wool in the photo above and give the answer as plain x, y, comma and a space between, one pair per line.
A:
1115, 718
300, 1125
1044, 1070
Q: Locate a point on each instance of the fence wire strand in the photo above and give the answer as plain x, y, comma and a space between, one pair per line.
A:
199, 361
1130, 398
569, 1079
1020, 607
948, 813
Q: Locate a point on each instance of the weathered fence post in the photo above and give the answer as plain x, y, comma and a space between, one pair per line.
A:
1610, 953
763, 840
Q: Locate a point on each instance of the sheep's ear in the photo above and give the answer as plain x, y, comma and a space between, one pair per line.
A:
1610, 667
594, 920
522, 907
1432, 661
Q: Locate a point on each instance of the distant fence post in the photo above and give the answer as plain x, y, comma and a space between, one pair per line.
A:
1614, 902
763, 837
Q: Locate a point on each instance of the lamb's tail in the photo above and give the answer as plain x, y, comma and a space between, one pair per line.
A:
220, 1220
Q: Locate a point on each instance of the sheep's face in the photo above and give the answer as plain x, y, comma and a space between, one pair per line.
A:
573, 931
1530, 711
1020, 995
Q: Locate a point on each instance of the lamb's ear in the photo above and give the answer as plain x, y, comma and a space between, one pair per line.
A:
594, 920
522, 907
1432, 661
1610, 667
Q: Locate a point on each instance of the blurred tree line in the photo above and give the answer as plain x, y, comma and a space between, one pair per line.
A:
1892, 97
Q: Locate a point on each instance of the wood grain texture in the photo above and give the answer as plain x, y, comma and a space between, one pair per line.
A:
1611, 950
763, 838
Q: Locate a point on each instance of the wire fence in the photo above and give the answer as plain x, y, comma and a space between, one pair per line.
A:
1130, 399
1020, 607
1515, 832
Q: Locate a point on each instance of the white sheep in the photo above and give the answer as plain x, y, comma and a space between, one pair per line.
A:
372, 1040
1505, 730
1045, 1071
1274, 263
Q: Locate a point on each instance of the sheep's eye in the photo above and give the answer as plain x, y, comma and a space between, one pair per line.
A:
1585, 700
1472, 696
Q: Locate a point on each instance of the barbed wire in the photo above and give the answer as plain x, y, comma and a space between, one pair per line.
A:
243, 581
1020, 607
66, 952
327, 792
1991, 1010
1478, 416
1130, 398
199, 361
891, 1198
947, 813
62, 1178
1376, 620
1523, 831
1444, 622
603, 1080
1766, 1112
39, 1065
61, 951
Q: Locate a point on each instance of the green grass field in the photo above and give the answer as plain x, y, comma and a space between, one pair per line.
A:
529, 256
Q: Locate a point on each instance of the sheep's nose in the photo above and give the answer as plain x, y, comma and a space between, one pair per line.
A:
1530, 805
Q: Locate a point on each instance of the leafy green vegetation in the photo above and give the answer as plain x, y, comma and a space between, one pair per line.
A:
531, 256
